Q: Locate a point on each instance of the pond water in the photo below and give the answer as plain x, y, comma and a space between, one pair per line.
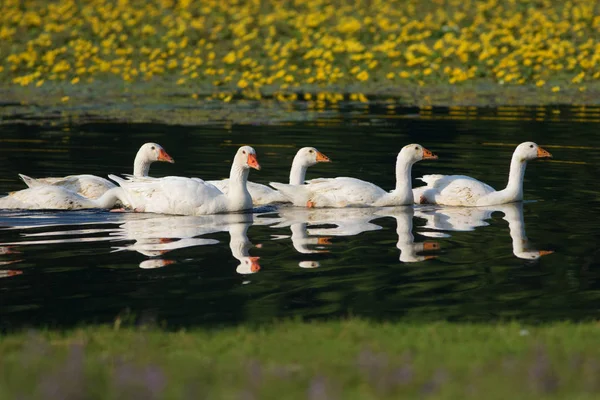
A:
404, 263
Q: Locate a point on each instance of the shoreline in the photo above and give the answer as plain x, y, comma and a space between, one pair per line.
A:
161, 102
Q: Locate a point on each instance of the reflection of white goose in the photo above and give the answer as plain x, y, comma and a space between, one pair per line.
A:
154, 263
155, 247
7, 273
455, 218
309, 264
406, 241
301, 240
347, 221
467, 219
157, 235
8, 250
239, 245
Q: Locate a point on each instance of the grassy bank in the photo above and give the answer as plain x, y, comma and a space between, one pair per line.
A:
447, 52
344, 360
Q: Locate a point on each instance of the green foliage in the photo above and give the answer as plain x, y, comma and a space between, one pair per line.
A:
351, 359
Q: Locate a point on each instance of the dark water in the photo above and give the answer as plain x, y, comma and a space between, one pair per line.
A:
421, 263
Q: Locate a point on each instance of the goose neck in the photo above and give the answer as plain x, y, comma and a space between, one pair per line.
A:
141, 164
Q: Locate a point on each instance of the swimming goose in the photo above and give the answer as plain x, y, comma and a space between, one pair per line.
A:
92, 186
192, 196
344, 192
460, 190
263, 195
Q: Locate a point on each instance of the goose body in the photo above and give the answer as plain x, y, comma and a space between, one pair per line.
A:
92, 186
461, 190
263, 195
345, 192
49, 197
192, 196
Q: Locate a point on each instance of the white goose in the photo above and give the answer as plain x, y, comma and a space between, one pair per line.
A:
460, 190
192, 196
48, 197
92, 186
263, 195
344, 192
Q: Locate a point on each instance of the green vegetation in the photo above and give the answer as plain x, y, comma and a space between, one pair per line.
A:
72, 54
352, 359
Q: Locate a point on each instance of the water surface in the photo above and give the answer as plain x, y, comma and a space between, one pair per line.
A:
411, 263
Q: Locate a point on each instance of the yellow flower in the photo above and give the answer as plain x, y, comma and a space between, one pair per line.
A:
75, 80
540, 83
556, 89
390, 75
64, 99
242, 84
229, 58
362, 76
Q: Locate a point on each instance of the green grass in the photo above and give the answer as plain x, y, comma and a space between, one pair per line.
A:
345, 360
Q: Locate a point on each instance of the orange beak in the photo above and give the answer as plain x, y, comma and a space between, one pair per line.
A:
541, 153
428, 155
322, 157
545, 252
254, 265
163, 156
253, 162
430, 245
324, 240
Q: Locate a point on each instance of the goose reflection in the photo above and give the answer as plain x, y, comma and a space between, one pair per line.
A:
409, 250
346, 221
157, 235
468, 219
306, 240
7, 273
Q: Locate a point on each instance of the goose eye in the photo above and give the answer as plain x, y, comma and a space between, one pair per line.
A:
243, 151
531, 146
310, 151
417, 148
153, 148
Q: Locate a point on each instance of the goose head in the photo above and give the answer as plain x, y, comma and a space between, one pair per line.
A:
155, 263
248, 265
246, 158
154, 152
530, 151
415, 152
310, 156
309, 264
532, 255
